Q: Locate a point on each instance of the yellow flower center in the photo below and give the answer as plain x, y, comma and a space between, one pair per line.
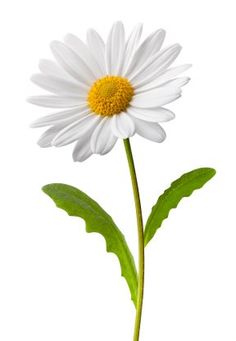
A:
110, 95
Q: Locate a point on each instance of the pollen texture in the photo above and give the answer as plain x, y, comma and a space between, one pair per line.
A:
110, 95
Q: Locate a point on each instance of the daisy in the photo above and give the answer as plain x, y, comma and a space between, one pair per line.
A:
107, 91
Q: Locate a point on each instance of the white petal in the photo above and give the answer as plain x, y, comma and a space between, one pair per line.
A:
50, 68
114, 52
173, 83
177, 82
72, 63
83, 52
103, 139
59, 86
82, 150
164, 77
97, 48
122, 126
155, 65
110, 144
131, 46
61, 117
149, 47
149, 130
155, 98
171, 73
45, 140
99, 137
76, 130
174, 71
56, 101
151, 114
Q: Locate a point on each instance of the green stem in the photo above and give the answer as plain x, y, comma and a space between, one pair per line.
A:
140, 239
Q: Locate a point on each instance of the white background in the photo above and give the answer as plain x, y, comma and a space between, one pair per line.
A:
57, 283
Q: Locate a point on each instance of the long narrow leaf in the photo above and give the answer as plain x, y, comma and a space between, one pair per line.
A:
77, 203
180, 188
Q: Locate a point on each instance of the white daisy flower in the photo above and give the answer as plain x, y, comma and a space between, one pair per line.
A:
107, 91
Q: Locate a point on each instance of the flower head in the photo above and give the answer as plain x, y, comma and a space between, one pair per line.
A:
107, 91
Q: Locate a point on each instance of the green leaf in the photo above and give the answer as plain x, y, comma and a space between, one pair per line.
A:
180, 188
78, 204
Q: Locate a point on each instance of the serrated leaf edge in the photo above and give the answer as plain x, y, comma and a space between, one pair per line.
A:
163, 195
133, 298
